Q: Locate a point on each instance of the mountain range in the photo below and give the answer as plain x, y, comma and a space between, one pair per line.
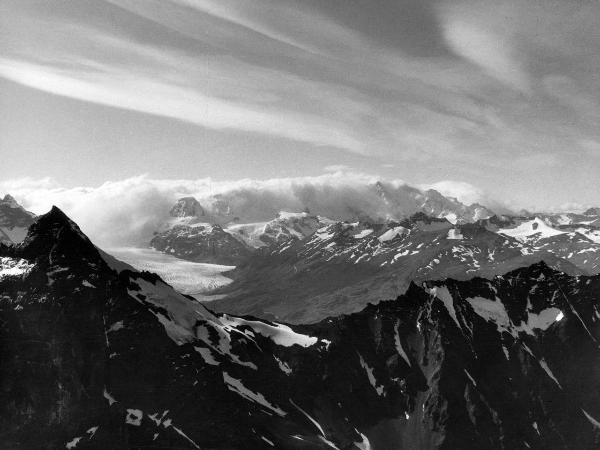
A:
200, 232
96, 355
301, 267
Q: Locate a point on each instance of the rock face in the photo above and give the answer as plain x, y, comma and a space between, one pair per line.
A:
187, 207
202, 243
14, 220
96, 358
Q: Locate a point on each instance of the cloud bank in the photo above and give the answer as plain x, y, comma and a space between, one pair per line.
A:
128, 211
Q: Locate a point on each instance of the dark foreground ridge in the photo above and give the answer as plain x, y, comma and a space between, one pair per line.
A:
93, 358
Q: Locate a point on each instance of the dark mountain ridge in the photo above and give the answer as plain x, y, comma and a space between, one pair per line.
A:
95, 358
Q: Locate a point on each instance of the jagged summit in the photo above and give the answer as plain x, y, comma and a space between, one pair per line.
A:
14, 220
10, 200
424, 218
534, 271
187, 207
56, 239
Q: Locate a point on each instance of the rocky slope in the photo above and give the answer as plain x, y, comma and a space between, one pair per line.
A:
14, 220
342, 267
97, 358
301, 267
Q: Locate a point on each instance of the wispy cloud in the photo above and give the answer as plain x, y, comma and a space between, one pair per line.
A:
127, 89
490, 90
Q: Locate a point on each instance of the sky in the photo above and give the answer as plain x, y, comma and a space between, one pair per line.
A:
501, 96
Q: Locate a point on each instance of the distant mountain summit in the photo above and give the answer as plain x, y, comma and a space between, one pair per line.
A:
187, 207
201, 231
14, 220
592, 212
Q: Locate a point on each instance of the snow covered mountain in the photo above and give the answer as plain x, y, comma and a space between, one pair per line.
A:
189, 236
302, 267
118, 359
590, 217
344, 266
578, 243
198, 232
375, 201
14, 220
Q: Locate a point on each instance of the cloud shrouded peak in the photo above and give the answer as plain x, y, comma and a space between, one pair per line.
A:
127, 212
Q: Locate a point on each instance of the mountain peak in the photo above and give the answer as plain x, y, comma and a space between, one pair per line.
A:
592, 212
10, 201
14, 220
187, 207
56, 236
536, 270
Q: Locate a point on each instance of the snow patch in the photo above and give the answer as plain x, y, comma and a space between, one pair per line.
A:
470, 377
454, 234
73, 443
399, 344
207, 356
308, 416
541, 321
362, 234
280, 334
364, 444
442, 293
591, 419
369, 370
109, 397
237, 387
12, 267
392, 233
530, 228
267, 441
491, 311
116, 326
544, 366
283, 366
134, 417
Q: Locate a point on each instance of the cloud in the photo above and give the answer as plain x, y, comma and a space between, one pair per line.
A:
127, 212
468, 194
492, 52
271, 67
286, 23
337, 168
127, 90
445, 101
590, 146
